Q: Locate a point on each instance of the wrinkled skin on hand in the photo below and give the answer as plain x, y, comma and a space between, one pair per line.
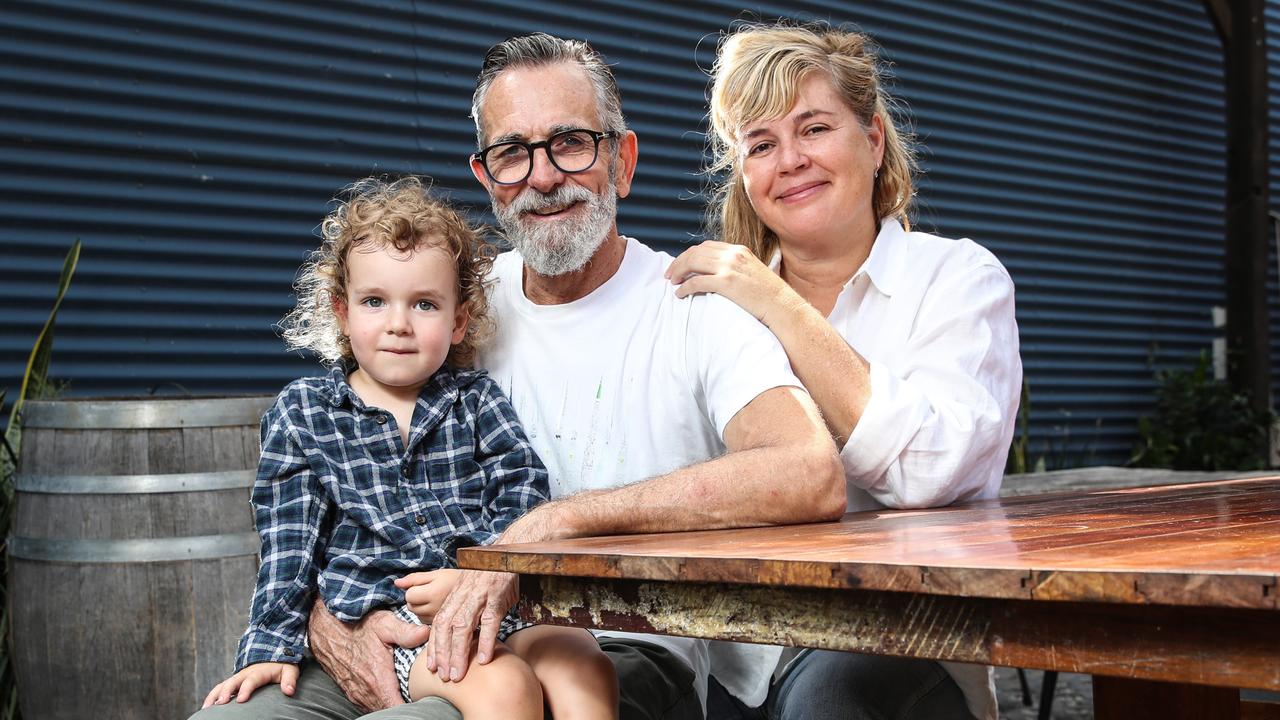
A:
482, 599
358, 655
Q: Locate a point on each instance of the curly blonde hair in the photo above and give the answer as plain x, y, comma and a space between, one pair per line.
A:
376, 213
757, 75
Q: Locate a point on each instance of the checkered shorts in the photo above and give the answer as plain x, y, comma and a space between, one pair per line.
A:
404, 658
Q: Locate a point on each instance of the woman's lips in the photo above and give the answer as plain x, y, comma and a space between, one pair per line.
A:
801, 192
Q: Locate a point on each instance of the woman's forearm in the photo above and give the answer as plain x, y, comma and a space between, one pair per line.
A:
836, 376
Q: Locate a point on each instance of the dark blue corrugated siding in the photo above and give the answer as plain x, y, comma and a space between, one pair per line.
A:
193, 146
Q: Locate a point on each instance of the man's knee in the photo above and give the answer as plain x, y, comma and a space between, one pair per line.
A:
318, 697
824, 683
653, 684
431, 708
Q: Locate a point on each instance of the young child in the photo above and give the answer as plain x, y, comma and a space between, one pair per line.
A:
396, 458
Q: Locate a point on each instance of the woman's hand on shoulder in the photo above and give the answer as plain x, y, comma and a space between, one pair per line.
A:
732, 271
425, 592
242, 684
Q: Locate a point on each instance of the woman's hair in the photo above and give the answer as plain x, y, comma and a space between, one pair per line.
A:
373, 214
757, 76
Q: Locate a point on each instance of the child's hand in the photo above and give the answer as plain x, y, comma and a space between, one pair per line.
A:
243, 683
425, 591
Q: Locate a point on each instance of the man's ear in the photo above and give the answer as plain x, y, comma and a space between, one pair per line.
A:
627, 153
477, 169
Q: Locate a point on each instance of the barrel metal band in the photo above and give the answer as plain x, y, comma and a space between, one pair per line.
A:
170, 549
132, 484
144, 414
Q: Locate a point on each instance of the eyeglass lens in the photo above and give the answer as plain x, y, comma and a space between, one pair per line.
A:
571, 151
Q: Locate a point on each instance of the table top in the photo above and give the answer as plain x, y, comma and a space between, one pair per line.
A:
1209, 544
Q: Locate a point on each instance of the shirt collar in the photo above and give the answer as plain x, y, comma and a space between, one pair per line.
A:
886, 263
437, 395
337, 390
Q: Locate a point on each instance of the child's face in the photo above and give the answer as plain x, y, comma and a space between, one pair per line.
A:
401, 313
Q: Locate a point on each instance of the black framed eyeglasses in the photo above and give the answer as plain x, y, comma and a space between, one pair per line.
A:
570, 151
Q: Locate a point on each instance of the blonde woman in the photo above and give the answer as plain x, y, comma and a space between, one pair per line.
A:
906, 340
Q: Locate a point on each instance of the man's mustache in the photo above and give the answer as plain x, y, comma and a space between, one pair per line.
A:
533, 201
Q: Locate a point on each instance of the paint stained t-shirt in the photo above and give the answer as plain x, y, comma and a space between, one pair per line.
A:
630, 381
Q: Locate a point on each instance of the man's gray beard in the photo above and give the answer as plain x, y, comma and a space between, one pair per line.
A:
561, 246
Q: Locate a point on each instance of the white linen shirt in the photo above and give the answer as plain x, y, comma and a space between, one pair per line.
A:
934, 319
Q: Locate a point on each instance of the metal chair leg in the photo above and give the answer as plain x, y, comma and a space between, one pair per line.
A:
1047, 686
1026, 689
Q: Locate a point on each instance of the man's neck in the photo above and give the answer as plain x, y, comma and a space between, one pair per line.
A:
561, 289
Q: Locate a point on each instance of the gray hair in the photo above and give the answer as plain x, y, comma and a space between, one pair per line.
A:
539, 49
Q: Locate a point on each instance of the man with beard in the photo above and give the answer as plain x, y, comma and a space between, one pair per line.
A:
652, 413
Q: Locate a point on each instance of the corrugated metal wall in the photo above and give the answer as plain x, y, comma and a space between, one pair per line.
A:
193, 146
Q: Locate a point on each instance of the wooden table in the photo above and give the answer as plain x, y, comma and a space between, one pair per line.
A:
1167, 595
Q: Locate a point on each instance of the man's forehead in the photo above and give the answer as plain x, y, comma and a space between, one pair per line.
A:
533, 102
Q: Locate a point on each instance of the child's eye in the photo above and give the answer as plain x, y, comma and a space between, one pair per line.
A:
425, 305
373, 302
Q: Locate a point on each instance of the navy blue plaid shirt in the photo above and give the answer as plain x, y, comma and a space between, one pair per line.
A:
344, 508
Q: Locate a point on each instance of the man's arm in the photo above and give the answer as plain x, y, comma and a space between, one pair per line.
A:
781, 468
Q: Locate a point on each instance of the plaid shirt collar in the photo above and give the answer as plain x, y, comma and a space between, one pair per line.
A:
434, 401
435, 397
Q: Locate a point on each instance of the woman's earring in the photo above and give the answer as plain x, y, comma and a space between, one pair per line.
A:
876, 176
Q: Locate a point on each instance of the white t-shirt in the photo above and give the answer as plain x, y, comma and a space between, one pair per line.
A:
934, 319
628, 382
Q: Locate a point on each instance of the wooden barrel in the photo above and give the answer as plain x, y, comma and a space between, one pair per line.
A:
132, 553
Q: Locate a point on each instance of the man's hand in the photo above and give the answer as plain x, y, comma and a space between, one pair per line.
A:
482, 598
358, 655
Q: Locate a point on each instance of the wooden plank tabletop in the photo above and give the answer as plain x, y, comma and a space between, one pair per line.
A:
1210, 544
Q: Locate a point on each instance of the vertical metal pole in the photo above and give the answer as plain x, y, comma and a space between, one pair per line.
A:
1241, 25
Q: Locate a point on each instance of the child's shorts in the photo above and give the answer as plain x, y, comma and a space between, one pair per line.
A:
404, 658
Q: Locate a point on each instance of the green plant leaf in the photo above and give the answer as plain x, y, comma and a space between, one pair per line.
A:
1201, 424
10, 459
37, 371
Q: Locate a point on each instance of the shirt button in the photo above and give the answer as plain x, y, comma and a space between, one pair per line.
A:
289, 652
407, 470
421, 520
381, 419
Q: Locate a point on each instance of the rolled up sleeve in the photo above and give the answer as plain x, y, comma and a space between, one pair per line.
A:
937, 426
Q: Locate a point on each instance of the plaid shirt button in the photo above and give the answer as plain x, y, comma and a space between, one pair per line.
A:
421, 519
381, 419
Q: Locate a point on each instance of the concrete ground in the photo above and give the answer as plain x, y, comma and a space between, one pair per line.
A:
1072, 698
